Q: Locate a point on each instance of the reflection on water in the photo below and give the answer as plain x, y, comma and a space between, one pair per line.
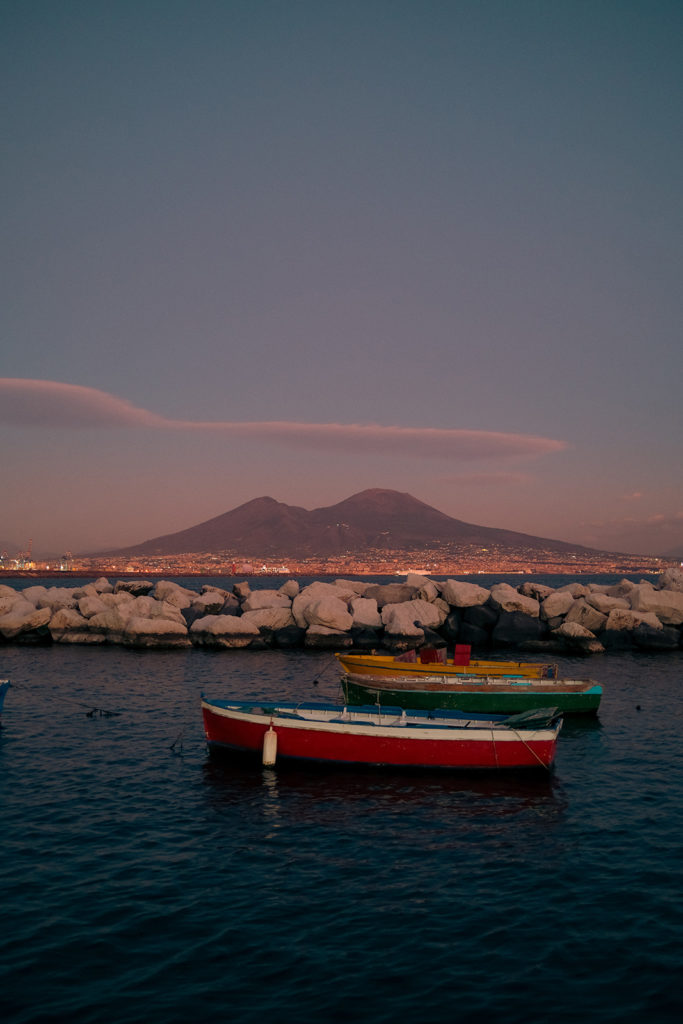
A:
341, 795
143, 880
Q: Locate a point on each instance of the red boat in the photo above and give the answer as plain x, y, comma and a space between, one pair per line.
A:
381, 736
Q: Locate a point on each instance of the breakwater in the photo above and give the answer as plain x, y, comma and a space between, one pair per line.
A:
575, 618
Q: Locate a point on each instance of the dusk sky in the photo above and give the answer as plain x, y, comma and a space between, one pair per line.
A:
300, 249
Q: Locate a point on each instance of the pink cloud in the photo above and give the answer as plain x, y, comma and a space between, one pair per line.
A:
50, 404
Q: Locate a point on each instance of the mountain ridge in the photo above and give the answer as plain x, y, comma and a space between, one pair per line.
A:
376, 518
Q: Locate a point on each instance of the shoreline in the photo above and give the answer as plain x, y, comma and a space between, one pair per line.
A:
574, 618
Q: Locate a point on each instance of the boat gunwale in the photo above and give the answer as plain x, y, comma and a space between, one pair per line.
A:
463, 726
438, 683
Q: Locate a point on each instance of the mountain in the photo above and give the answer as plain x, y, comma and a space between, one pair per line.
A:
372, 519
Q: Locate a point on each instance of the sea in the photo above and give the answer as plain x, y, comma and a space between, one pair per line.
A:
144, 881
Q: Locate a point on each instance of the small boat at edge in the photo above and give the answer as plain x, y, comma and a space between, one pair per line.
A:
4, 687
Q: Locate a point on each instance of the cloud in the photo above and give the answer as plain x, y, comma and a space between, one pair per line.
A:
47, 403
50, 404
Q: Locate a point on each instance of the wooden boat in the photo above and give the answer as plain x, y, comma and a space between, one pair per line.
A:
503, 695
4, 687
428, 661
380, 737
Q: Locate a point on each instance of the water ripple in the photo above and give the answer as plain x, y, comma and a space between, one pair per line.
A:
143, 880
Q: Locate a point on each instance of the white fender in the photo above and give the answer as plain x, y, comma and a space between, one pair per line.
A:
269, 747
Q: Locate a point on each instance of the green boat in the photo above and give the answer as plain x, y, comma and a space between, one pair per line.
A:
500, 695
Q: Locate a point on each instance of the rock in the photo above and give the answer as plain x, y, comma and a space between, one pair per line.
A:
473, 635
323, 638
103, 586
536, 590
24, 623
157, 632
667, 605
265, 599
586, 615
330, 612
8, 601
622, 589
577, 638
56, 598
271, 619
89, 606
110, 624
69, 626
460, 594
241, 591
671, 579
604, 603
410, 616
353, 588
557, 603
365, 613
33, 595
425, 589
517, 627
575, 589
290, 637
648, 638
223, 631
400, 620
290, 589
432, 639
174, 594
510, 600
390, 593
364, 638
483, 616
135, 587
211, 602
313, 593
450, 630
625, 618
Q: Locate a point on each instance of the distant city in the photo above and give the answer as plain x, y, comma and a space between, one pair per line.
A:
444, 560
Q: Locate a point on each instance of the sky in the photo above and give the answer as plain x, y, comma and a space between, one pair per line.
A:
300, 249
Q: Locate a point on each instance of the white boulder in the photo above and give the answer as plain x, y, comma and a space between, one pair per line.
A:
68, 626
269, 618
510, 600
578, 638
604, 603
174, 594
331, 612
671, 579
667, 605
266, 599
157, 632
365, 612
626, 618
23, 618
461, 594
557, 603
223, 631
585, 615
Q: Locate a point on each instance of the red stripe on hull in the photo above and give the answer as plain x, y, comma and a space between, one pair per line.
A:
350, 748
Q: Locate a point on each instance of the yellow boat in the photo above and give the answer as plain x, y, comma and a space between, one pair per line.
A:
427, 662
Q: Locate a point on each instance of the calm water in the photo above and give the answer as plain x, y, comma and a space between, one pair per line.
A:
142, 881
